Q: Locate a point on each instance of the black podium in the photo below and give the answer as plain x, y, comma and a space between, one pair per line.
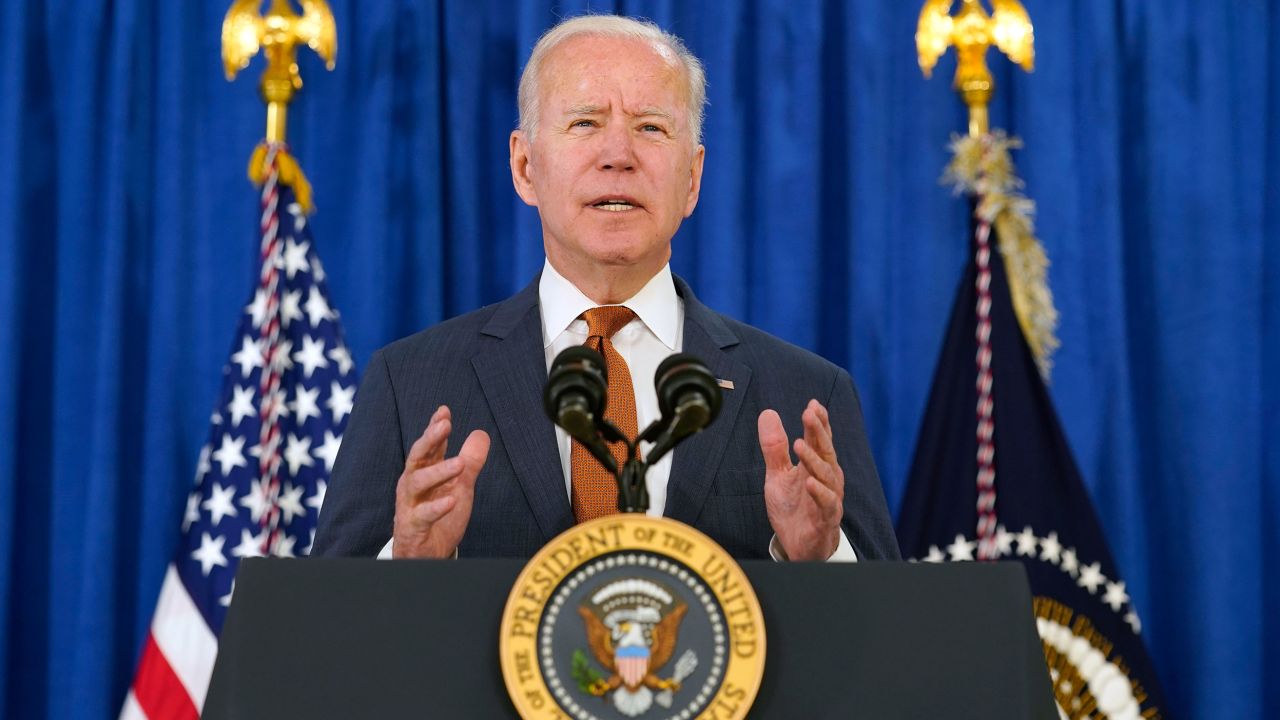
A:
326, 638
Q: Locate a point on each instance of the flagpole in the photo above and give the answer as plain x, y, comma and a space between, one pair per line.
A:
278, 34
240, 508
979, 156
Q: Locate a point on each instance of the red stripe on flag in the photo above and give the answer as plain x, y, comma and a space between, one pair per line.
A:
159, 691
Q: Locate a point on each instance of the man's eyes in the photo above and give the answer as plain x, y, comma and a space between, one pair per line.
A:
644, 128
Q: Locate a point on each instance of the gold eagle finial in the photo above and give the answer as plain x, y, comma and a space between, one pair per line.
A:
971, 31
278, 34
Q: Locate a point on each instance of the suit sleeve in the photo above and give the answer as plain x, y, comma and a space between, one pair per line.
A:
866, 514
359, 506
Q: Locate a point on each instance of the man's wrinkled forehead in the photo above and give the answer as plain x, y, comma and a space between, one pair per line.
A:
572, 67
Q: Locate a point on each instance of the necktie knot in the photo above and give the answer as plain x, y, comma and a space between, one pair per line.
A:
604, 321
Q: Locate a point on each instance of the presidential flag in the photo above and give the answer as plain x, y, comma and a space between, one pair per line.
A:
260, 479
993, 477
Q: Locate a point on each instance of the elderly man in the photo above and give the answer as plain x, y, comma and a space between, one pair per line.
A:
609, 152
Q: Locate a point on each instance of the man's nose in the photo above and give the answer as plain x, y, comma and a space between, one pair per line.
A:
618, 150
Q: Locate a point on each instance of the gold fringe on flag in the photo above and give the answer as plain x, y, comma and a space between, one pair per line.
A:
290, 174
982, 166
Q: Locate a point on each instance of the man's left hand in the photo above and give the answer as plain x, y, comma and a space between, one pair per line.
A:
806, 501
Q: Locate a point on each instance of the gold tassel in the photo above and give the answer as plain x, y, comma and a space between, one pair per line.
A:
290, 174
983, 167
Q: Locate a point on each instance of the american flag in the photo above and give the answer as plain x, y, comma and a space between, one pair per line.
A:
260, 481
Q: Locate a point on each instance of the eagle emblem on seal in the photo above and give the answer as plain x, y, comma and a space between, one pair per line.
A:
632, 628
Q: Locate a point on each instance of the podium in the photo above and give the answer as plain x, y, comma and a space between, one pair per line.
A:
347, 638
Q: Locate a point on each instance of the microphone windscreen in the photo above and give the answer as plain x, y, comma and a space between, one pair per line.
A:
681, 374
576, 373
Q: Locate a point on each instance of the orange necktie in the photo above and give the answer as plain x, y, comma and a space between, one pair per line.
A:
595, 491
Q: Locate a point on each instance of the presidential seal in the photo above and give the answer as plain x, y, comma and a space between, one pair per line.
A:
630, 616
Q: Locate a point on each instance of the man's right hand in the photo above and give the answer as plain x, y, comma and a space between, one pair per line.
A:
434, 495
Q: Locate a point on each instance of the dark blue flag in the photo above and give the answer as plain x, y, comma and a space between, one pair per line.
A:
993, 478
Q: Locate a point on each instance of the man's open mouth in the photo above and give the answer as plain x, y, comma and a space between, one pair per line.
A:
616, 204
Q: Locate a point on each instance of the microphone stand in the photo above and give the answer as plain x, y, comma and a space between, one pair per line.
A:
633, 493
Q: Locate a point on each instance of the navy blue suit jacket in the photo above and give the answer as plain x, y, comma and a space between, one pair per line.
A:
489, 367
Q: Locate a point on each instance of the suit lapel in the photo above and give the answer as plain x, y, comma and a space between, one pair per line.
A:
696, 461
512, 372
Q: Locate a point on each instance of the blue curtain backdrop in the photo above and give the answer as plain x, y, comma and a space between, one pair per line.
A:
128, 238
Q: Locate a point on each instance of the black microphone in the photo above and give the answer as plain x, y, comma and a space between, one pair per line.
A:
688, 397
574, 399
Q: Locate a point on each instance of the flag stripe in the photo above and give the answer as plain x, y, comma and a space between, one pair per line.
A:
158, 691
181, 634
132, 710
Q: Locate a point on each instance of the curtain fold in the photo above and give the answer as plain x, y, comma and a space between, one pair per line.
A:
128, 243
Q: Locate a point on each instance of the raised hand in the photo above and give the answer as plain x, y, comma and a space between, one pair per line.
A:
434, 495
805, 502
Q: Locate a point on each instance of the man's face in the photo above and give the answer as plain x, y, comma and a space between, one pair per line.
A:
613, 167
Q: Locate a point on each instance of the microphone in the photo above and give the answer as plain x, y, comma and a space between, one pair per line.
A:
574, 399
689, 398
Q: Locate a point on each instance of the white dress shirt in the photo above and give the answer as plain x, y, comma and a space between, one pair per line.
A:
656, 332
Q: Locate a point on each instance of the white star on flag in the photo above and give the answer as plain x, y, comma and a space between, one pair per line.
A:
1027, 542
299, 217
298, 453
225, 600
230, 454
193, 511
935, 555
317, 307
317, 270
1050, 548
290, 501
248, 357
316, 500
1091, 577
304, 404
210, 553
295, 257
284, 546
284, 358
1115, 596
258, 308
1070, 563
1004, 541
250, 544
340, 400
202, 464
241, 405
255, 501
1132, 618
219, 503
961, 550
329, 450
342, 356
290, 309
311, 356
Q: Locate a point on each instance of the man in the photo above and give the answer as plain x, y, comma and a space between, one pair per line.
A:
609, 152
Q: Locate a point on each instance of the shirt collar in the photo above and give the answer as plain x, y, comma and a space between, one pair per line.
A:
657, 305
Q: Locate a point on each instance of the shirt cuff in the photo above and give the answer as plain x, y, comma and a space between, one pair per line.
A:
385, 552
844, 551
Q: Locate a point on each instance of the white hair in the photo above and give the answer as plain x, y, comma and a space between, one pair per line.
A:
611, 26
